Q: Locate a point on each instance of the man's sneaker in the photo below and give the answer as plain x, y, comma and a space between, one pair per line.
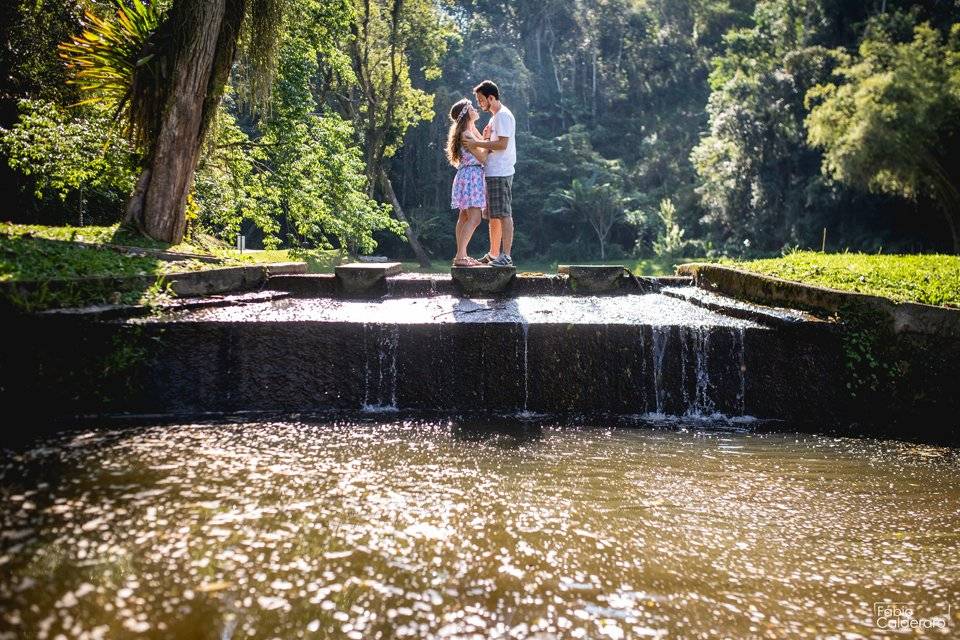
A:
486, 259
502, 260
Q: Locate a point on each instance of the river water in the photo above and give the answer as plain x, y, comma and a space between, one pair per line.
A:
446, 530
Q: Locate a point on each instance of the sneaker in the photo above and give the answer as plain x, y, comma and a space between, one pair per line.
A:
486, 259
502, 260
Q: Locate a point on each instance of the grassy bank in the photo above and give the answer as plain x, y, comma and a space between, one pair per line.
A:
41, 254
26, 256
929, 279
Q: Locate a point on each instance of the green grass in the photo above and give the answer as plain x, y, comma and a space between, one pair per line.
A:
38, 252
30, 258
95, 235
34, 253
929, 279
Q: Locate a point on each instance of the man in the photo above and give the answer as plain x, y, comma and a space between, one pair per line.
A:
500, 134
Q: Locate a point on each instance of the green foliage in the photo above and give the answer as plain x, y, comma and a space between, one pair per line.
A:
671, 242
600, 205
104, 58
870, 355
761, 122
292, 172
295, 173
891, 122
61, 151
119, 62
24, 256
30, 31
387, 35
759, 182
260, 45
226, 184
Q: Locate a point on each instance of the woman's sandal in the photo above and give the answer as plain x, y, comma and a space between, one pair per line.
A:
467, 262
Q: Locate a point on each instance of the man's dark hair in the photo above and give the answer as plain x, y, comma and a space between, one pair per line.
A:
487, 89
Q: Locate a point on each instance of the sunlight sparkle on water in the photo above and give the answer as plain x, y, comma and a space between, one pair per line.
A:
432, 530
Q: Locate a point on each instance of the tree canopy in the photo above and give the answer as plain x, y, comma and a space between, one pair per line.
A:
656, 127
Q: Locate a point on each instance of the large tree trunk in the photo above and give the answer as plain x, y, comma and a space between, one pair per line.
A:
398, 211
157, 207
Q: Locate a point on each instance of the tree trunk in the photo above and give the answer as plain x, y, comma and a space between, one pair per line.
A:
398, 211
157, 207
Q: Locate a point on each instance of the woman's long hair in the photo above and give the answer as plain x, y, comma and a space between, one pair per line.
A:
460, 120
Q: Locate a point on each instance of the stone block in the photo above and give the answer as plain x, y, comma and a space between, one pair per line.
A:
358, 277
473, 281
594, 278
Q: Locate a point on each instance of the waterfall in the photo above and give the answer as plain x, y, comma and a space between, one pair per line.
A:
702, 405
697, 384
643, 401
380, 367
526, 370
660, 336
684, 369
739, 343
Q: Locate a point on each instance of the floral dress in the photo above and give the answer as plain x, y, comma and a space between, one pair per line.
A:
469, 189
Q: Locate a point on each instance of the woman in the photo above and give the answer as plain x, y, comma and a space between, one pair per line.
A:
468, 194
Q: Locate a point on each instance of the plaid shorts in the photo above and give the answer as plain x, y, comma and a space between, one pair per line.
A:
499, 197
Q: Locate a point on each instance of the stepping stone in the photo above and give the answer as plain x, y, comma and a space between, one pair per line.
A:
483, 280
594, 278
359, 277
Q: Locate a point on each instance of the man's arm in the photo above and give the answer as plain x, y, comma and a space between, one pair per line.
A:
499, 144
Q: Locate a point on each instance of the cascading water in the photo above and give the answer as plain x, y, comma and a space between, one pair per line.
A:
526, 369
702, 405
739, 335
660, 336
380, 344
694, 381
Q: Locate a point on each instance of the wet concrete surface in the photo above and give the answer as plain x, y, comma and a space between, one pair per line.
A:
651, 309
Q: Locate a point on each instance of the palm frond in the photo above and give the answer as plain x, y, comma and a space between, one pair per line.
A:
105, 56
110, 58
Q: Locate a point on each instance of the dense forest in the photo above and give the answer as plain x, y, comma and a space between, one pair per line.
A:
645, 127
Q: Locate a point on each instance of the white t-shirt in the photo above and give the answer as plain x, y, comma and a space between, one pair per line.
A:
500, 163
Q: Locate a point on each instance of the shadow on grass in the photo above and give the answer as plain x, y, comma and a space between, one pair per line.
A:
38, 273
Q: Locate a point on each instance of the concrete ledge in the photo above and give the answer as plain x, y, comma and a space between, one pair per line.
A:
201, 283
305, 285
594, 278
777, 317
124, 311
907, 317
362, 277
285, 268
539, 285
483, 280
415, 285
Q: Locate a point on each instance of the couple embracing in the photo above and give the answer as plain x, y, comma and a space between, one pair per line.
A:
483, 186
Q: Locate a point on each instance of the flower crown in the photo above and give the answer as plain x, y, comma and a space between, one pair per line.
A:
464, 111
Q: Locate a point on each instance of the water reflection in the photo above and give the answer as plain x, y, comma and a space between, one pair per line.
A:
504, 433
454, 530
